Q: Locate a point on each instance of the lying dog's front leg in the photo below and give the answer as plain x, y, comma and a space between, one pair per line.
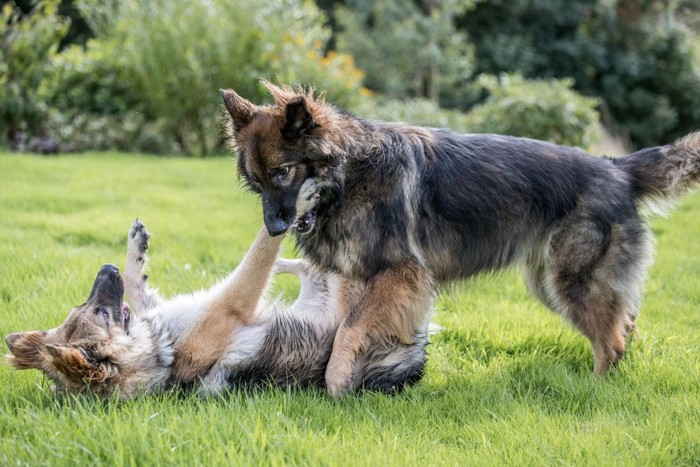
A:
393, 306
234, 302
241, 291
138, 294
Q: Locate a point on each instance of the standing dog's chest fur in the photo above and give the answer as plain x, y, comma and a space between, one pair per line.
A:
369, 229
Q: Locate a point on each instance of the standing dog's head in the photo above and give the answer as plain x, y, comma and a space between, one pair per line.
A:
79, 354
279, 147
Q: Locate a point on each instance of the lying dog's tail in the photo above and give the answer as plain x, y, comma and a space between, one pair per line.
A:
664, 172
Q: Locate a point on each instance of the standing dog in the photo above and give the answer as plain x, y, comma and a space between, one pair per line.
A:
227, 336
406, 208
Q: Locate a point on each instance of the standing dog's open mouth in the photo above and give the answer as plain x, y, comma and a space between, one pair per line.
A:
305, 223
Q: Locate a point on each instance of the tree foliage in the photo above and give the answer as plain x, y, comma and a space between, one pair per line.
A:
144, 76
634, 54
407, 48
165, 61
27, 45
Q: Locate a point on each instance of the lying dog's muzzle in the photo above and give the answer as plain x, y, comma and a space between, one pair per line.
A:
108, 292
108, 286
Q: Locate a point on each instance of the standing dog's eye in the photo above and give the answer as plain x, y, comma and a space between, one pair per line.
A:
281, 172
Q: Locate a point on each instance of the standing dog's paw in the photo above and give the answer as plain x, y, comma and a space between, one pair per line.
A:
338, 383
138, 237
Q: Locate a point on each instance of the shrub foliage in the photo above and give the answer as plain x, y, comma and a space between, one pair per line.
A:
145, 76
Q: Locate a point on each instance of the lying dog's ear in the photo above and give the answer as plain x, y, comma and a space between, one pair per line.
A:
298, 119
73, 363
26, 349
240, 111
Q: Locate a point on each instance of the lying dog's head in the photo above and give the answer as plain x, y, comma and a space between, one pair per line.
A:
279, 147
79, 354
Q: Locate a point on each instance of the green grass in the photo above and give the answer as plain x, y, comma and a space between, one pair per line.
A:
507, 381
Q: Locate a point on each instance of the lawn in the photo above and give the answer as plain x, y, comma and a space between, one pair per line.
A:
507, 381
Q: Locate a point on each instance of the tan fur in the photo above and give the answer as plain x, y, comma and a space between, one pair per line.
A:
245, 288
235, 306
28, 349
335, 136
206, 344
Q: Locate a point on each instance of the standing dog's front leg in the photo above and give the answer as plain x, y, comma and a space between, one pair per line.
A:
393, 307
138, 294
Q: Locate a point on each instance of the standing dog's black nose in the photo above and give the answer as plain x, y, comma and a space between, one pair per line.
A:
276, 226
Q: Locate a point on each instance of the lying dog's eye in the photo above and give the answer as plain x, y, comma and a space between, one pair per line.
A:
103, 312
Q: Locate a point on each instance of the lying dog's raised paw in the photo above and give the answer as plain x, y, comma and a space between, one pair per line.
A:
308, 196
138, 236
307, 200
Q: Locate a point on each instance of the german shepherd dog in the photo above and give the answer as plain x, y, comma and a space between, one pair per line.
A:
227, 336
404, 209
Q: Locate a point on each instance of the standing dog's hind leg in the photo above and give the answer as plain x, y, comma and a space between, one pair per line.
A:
595, 275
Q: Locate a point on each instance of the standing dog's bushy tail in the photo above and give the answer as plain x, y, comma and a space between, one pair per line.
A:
664, 172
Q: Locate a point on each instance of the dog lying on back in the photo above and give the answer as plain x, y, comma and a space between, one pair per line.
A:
227, 336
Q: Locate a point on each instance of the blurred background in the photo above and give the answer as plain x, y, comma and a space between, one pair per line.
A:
143, 75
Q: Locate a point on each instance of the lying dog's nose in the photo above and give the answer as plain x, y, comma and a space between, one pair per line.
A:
108, 283
109, 269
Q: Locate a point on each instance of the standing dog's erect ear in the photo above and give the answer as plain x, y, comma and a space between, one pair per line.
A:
240, 110
26, 349
298, 120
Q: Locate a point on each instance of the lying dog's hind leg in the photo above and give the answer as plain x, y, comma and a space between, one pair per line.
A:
138, 294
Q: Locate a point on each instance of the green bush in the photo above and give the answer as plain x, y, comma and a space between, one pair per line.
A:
27, 45
542, 109
547, 110
413, 111
75, 131
164, 62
